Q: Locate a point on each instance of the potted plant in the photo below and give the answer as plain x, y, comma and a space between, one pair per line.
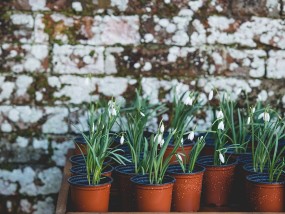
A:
154, 190
137, 117
266, 189
220, 168
183, 111
91, 192
189, 176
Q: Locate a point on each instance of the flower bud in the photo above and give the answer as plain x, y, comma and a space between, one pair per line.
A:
221, 157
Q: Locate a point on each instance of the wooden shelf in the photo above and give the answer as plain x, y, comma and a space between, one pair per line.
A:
63, 203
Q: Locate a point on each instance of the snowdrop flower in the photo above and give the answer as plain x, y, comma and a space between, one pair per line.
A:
142, 114
220, 115
179, 157
191, 136
221, 125
248, 120
182, 140
253, 110
221, 157
211, 95
188, 101
265, 116
112, 111
122, 140
161, 129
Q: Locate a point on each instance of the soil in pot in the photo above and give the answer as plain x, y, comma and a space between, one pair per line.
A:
187, 189
126, 187
217, 181
89, 198
81, 170
153, 197
266, 196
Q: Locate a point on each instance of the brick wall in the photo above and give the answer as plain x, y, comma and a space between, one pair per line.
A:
48, 48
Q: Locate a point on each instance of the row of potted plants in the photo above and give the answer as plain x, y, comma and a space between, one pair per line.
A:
170, 168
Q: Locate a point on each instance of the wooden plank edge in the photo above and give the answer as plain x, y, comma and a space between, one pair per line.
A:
63, 192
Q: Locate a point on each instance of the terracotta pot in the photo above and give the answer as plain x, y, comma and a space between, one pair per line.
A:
80, 146
126, 187
79, 160
187, 189
88, 198
153, 197
186, 149
265, 196
81, 170
217, 181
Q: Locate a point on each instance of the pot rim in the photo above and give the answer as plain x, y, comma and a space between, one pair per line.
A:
79, 140
76, 169
172, 180
119, 169
180, 172
262, 177
234, 162
186, 143
84, 178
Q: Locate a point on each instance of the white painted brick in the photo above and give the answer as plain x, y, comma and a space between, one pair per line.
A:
110, 30
68, 59
276, 65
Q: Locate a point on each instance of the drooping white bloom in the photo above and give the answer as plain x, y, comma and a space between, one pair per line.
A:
221, 125
142, 114
220, 115
253, 110
112, 111
182, 141
188, 101
211, 95
161, 129
265, 116
248, 120
122, 140
221, 157
179, 157
191, 136
161, 143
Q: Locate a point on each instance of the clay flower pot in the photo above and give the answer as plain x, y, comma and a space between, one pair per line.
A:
126, 187
81, 170
217, 181
265, 196
80, 146
89, 198
79, 160
186, 149
187, 189
153, 197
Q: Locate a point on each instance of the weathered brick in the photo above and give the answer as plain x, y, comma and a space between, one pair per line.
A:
25, 58
276, 64
256, 8
78, 59
32, 119
16, 89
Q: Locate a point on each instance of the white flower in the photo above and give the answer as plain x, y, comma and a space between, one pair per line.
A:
248, 120
221, 125
179, 157
191, 136
122, 140
112, 111
221, 157
161, 129
253, 110
142, 114
220, 115
182, 140
265, 116
161, 143
211, 95
188, 101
